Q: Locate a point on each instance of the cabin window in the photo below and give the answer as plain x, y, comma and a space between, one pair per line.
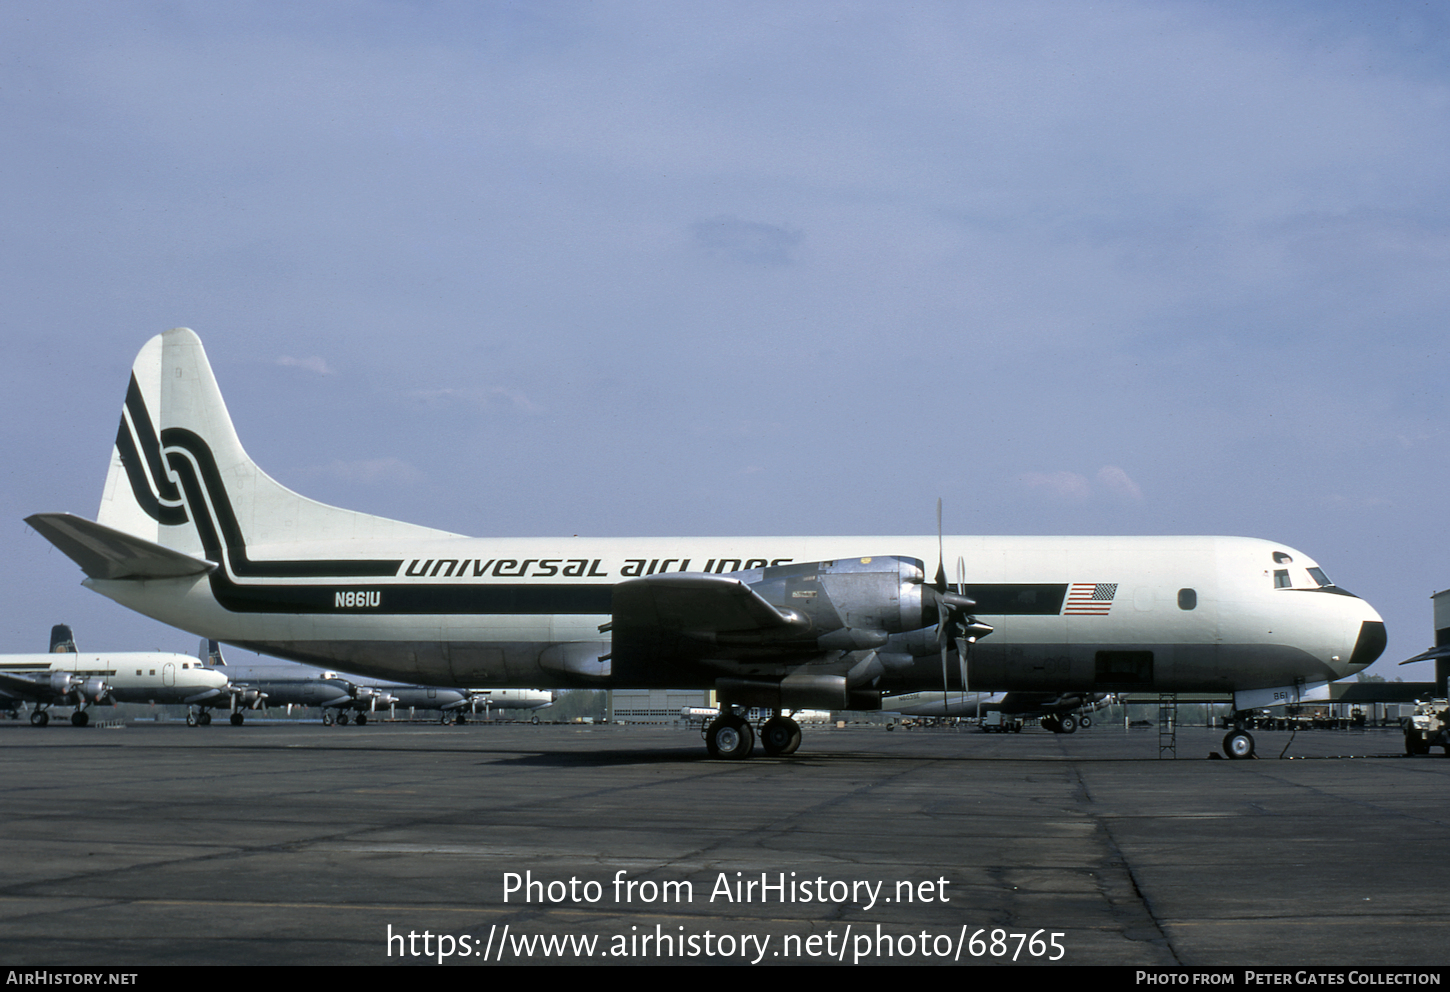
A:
1281, 579
1187, 599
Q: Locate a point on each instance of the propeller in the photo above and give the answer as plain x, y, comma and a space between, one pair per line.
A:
953, 612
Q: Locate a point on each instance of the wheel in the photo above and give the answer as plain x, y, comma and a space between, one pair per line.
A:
80, 718
205, 718
1050, 723
445, 719
39, 718
729, 737
342, 719
1415, 743
1084, 721
535, 720
191, 719
237, 719
327, 718
1238, 744
1066, 724
780, 735
362, 719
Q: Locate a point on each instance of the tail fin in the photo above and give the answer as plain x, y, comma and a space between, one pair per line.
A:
179, 476
62, 641
210, 654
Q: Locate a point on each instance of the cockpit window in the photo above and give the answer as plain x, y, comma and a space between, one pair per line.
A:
1281, 579
1280, 558
1317, 574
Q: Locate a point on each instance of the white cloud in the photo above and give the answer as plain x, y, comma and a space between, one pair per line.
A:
313, 364
1068, 486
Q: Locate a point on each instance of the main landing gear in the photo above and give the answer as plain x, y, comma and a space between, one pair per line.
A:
730, 735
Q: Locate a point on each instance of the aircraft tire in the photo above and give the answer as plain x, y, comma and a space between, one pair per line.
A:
362, 719
39, 718
191, 719
1084, 721
238, 719
535, 720
342, 719
80, 718
327, 718
205, 718
730, 737
780, 736
1066, 724
1238, 744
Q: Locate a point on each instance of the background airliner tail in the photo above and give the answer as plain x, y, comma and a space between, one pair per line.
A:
179, 476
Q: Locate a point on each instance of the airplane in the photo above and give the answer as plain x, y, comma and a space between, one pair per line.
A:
1061, 712
65, 677
192, 532
338, 695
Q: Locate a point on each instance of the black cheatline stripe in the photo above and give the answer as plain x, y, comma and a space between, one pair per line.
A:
230, 538
1019, 599
140, 485
414, 600
150, 446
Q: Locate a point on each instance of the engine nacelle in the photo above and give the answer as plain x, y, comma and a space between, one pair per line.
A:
849, 604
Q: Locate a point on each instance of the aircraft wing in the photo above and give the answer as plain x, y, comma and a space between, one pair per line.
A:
106, 553
700, 606
1434, 654
26, 687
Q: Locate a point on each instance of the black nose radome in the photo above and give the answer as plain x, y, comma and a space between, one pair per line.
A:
1370, 644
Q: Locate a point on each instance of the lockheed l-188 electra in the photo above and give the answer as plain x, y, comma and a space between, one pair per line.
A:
192, 532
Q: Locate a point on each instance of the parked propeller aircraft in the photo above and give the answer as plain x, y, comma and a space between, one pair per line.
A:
65, 677
1060, 712
192, 532
342, 697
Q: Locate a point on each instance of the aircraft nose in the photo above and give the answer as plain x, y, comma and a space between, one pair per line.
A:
1369, 645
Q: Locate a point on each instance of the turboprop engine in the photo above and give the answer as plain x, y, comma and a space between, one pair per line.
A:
855, 618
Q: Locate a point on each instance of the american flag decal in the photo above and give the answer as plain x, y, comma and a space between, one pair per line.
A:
1090, 599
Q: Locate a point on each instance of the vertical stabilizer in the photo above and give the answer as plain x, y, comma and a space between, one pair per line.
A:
62, 641
180, 478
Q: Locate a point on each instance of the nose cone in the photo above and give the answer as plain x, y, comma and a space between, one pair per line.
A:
1369, 645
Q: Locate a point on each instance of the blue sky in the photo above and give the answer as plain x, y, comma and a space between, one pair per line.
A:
736, 268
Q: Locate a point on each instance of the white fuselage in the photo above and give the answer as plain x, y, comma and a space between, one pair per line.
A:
132, 677
1202, 614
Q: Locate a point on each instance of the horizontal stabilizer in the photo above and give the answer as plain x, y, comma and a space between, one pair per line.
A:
105, 553
690, 603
